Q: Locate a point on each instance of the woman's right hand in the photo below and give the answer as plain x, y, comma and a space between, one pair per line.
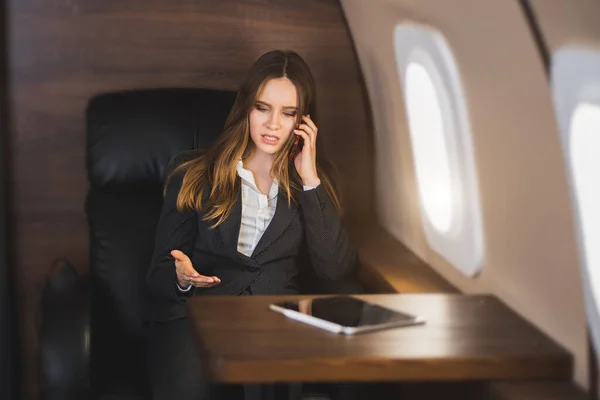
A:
187, 275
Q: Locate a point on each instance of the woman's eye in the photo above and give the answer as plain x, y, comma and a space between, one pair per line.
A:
259, 108
293, 114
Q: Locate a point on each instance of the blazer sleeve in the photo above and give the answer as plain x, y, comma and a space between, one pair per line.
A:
175, 231
330, 251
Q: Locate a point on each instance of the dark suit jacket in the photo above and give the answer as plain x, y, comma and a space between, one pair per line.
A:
312, 229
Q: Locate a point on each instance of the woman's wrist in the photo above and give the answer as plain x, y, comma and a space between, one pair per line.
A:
312, 182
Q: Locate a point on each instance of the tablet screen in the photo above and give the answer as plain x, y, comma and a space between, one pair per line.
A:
346, 311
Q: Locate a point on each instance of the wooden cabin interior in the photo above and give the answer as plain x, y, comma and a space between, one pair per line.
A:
515, 81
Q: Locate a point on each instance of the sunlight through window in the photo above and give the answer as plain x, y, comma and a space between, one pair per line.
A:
429, 146
585, 163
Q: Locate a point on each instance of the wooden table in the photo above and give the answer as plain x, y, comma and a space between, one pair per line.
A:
466, 337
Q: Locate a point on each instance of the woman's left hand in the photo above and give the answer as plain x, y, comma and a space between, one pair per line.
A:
306, 160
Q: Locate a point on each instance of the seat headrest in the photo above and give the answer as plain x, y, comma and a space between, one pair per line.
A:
133, 135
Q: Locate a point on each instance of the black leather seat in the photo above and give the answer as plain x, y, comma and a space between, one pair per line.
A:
131, 138
91, 332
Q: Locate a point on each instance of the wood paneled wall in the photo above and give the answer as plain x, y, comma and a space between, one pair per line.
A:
63, 52
8, 326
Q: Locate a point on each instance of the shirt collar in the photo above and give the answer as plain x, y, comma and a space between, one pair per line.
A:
248, 178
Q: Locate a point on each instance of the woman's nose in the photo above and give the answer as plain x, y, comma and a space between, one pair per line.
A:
273, 122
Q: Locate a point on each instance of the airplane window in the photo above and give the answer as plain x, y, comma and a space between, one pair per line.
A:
440, 137
575, 80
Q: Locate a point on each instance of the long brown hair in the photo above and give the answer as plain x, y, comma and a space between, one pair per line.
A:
216, 168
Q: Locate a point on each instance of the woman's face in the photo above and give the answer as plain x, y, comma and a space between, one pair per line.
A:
273, 117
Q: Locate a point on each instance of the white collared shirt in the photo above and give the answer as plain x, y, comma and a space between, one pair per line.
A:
258, 210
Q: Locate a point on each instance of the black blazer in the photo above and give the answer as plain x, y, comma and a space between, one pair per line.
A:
312, 230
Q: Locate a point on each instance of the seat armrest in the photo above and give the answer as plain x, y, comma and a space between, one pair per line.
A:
64, 334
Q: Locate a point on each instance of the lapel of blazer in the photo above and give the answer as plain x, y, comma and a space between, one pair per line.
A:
230, 228
281, 220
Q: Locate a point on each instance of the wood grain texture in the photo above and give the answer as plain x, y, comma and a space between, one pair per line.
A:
465, 338
9, 383
503, 390
64, 52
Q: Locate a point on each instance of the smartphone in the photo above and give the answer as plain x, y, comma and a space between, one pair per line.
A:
296, 148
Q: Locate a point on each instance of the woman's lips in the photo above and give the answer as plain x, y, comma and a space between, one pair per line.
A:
268, 139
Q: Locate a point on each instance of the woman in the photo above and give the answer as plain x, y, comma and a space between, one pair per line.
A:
238, 218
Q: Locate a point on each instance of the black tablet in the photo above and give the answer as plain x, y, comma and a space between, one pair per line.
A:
345, 314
